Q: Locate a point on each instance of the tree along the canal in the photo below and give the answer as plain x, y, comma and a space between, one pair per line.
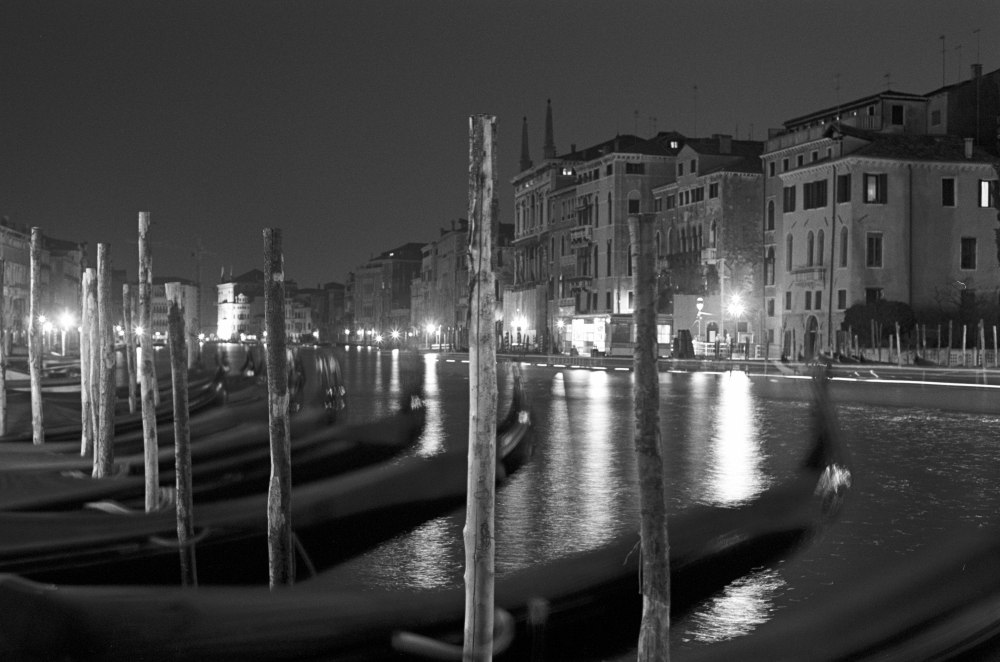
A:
654, 631
279, 496
479, 529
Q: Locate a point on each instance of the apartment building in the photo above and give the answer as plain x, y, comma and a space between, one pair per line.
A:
875, 200
708, 239
572, 280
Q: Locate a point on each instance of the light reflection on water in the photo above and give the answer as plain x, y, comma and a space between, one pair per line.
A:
736, 458
915, 474
743, 605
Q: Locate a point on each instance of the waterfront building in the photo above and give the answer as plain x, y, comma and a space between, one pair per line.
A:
439, 296
59, 274
708, 240
326, 305
241, 306
379, 293
873, 200
572, 272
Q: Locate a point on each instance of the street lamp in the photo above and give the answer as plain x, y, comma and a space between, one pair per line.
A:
66, 322
736, 309
560, 325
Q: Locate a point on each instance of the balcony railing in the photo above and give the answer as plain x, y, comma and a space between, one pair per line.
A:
580, 236
809, 276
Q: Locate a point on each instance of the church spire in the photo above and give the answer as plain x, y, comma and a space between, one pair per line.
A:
525, 154
550, 143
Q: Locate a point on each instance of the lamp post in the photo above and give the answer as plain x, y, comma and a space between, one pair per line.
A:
561, 326
736, 309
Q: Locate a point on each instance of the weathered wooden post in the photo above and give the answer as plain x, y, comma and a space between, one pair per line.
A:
104, 353
182, 436
654, 631
480, 491
899, 347
128, 321
35, 348
950, 344
965, 337
279, 495
89, 392
996, 356
982, 346
86, 387
3, 353
147, 377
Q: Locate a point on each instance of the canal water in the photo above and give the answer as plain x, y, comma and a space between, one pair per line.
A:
917, 475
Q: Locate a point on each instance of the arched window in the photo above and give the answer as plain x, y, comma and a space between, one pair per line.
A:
769, 267
788, 252
659, 250
819, 247
843, 247
711, 237
700, 239
810, 244
684, 245
770, 215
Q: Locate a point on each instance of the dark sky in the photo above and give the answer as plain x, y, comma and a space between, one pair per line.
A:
345, 123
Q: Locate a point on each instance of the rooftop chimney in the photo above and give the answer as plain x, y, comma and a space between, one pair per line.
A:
725, 143
977, 71
968, 148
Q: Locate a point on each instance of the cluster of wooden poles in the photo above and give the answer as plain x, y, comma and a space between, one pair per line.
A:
98, 388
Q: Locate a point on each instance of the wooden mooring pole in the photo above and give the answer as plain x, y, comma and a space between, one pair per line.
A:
35, 349
478, 534
281, 560
654, 631
147, 376
128, 322
87, 290
3, 353
182, 436
104, 353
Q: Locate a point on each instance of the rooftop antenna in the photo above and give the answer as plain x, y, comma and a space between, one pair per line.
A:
695, 111
652, 125
942, 61
836, 92
635, 122
958, 49
888, 81
976, 32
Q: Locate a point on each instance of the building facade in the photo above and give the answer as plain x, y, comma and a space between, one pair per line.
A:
380, 293
572, 272
874, 201
708, 239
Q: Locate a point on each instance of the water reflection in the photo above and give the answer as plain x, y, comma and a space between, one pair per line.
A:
433, 438
736, 453
743, 605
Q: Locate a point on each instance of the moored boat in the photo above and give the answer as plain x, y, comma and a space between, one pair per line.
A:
324, 619
334, 518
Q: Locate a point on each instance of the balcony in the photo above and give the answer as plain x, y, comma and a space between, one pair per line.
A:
809, 277
581, 235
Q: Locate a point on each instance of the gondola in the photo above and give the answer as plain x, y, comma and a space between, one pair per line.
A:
334, 518
940, 602
225, 464
204, 391
585, 595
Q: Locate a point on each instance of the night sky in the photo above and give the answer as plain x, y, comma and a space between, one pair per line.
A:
345, 123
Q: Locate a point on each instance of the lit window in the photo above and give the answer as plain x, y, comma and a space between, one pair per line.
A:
987, 192
875, 188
